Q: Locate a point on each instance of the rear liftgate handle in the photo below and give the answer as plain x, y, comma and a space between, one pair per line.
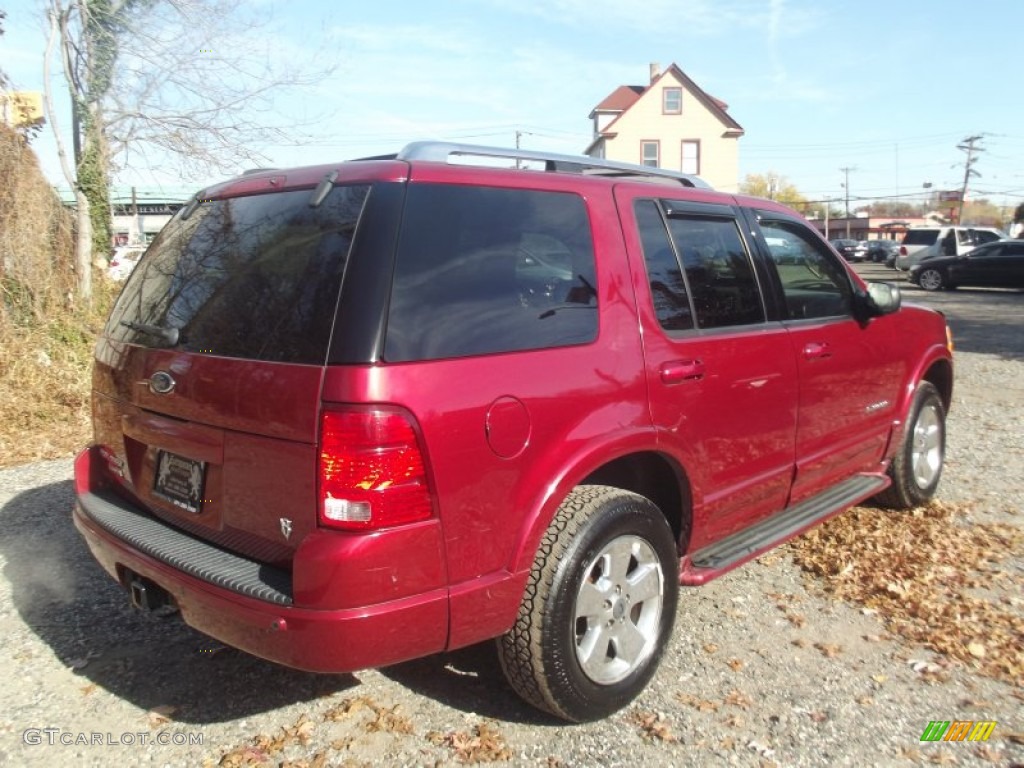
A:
679, 371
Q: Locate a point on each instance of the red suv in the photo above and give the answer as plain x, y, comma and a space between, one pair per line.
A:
355, 414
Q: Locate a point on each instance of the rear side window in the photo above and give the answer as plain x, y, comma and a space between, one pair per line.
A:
921, 237
252, 277
483, 270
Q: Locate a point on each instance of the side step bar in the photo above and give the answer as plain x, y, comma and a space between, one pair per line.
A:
715, 559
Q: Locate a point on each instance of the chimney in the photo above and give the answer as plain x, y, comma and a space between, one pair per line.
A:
655, 71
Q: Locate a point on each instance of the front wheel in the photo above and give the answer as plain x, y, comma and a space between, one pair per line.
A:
931, 280
598, 608
917, 465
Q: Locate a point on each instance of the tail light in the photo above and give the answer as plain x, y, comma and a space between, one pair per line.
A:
903, 250
371, 471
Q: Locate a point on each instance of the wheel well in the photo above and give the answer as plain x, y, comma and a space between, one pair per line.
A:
941, 376
652, 475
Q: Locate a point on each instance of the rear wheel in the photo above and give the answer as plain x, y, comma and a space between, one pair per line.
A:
931, 280
917, 465
598, 608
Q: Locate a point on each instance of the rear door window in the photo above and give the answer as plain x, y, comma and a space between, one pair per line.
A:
253, 277
484, 270
719, 273
668, 290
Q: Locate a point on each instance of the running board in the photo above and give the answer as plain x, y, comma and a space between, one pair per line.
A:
715, 559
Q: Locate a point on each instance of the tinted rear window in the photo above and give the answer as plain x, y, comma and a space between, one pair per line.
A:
252, 277
485, 270
920, 237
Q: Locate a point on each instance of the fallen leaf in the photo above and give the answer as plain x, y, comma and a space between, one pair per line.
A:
160, 715
653, 726
710, 648
830, 650
737, 698
977, 650
735, 665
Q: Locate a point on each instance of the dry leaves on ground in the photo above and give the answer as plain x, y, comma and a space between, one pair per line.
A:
485, 744
653, 726
918, 569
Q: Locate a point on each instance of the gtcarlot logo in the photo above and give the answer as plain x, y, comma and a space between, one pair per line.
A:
51, 737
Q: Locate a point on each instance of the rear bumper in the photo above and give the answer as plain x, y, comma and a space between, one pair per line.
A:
276, 622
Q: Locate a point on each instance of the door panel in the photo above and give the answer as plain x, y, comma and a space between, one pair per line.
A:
849, 372
722, 379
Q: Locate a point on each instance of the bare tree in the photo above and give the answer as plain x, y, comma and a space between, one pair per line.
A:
186, 82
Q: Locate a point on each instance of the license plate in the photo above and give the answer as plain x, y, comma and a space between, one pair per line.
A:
180, 480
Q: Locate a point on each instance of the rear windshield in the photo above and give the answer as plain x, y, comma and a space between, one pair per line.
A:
483, 270
920, 237
252, 277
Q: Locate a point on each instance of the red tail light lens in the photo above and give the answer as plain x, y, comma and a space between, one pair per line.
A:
371, 471
903, 250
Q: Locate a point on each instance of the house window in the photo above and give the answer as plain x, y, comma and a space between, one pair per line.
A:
672, 101
691, 156
649, 154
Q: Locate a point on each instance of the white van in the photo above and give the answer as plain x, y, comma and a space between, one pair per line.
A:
922, 243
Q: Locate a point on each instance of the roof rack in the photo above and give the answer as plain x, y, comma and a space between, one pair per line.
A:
442, 152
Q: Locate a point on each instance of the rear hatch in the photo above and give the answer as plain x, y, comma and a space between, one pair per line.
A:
207, 380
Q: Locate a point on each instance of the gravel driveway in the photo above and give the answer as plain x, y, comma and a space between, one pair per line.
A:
742, 683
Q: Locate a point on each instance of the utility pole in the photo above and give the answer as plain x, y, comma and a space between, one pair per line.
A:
846, 187
967, 146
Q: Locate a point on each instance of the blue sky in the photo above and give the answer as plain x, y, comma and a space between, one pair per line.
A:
886, 88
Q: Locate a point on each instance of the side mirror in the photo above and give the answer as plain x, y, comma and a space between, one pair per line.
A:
883, 298
879, 299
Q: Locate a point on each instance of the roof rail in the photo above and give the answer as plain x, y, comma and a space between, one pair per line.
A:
442, 152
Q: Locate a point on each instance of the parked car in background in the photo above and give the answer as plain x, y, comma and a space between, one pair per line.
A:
923, 243
881, 251
849, 249
123, 261
993, 265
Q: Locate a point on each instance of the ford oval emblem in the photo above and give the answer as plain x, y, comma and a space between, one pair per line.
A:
161, 383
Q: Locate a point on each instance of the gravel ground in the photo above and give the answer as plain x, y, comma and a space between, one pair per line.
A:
740, 684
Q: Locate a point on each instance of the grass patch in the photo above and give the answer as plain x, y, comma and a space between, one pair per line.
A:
45, 380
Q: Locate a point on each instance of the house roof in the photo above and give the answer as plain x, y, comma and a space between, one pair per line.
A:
625, 96
621, 99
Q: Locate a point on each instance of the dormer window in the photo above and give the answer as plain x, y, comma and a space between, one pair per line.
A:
672, 101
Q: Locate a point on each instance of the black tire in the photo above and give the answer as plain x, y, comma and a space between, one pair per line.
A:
571, 606
931, 280
917, 466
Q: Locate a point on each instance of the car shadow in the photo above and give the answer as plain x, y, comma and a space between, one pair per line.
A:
84, 617
86, 620
469, 680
